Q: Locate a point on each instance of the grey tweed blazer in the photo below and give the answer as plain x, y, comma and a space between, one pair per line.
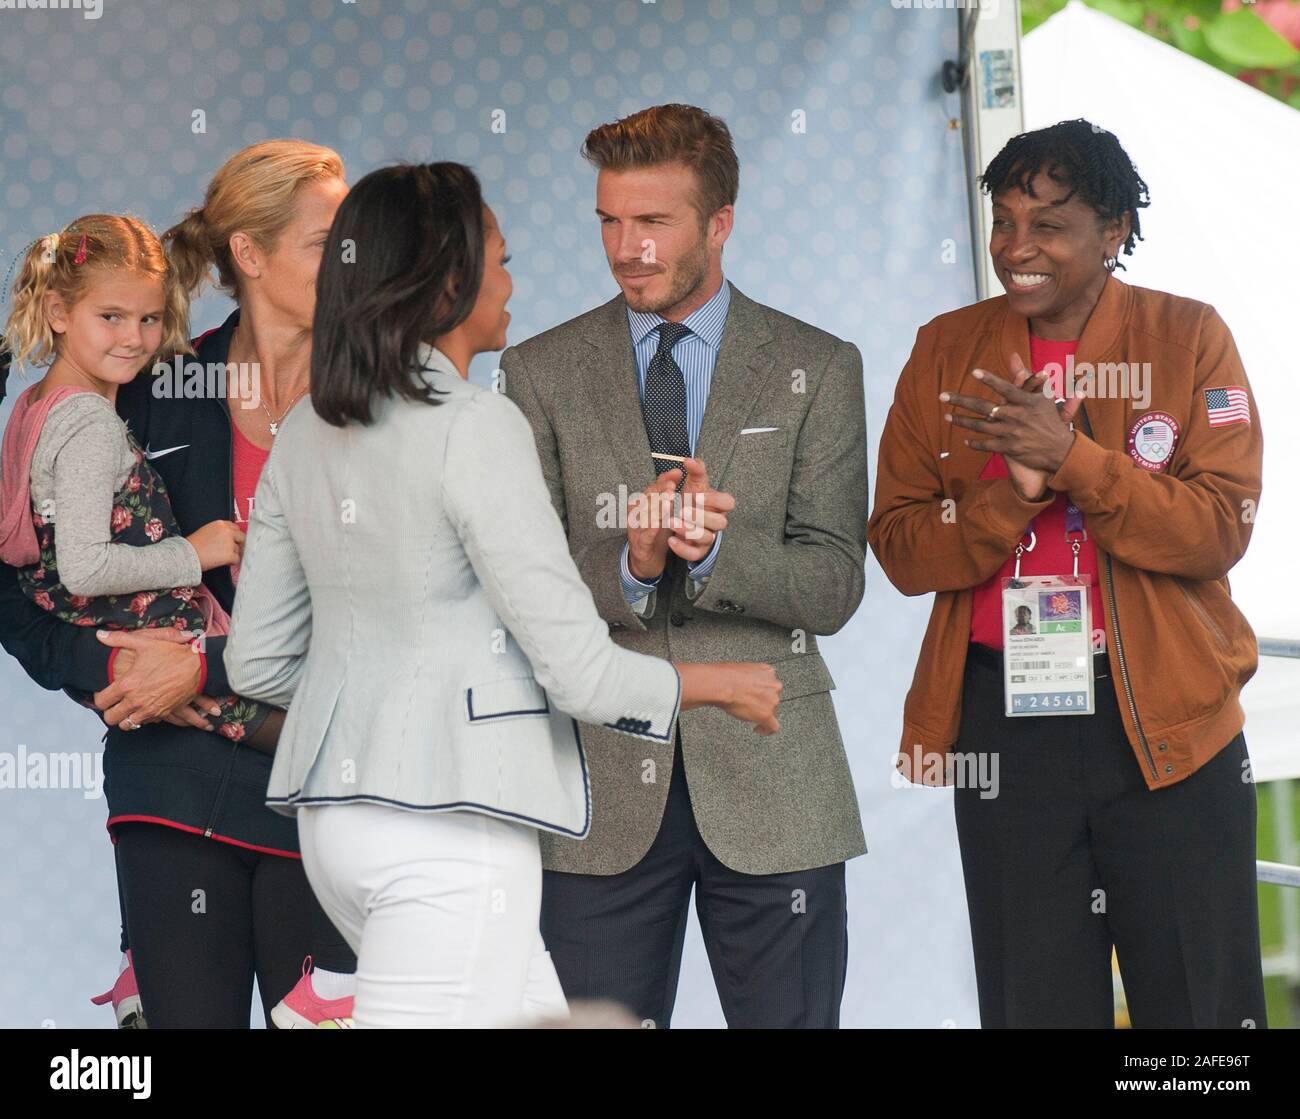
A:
790, 566
407, 592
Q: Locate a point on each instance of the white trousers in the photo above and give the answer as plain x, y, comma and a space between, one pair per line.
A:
441, 909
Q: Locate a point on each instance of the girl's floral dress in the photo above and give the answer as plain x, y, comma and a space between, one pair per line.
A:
142, 514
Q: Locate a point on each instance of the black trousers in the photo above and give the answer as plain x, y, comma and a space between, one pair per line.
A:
1075, 854
777, 943
204, 918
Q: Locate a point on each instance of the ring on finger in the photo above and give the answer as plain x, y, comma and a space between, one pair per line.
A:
993, 412
131, 724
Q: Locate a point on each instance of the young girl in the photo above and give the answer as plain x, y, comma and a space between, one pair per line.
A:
96, 303
69, 461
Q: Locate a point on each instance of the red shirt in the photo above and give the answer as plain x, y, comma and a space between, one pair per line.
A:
1051, 554
247, 460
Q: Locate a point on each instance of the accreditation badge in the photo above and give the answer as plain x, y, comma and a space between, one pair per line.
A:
1047, 645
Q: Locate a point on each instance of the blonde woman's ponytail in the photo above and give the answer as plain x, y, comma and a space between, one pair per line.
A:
189, 248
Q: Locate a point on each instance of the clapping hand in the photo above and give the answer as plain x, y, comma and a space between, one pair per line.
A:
1030, 431
703, 516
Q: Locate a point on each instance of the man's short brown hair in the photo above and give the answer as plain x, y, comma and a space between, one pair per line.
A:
672, 134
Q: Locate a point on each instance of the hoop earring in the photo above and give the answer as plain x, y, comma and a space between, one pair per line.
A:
1110, 263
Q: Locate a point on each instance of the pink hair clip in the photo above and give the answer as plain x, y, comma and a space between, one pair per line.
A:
80, 258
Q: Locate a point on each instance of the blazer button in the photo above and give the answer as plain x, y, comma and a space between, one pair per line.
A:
676, 619
1168, 770
1163, 746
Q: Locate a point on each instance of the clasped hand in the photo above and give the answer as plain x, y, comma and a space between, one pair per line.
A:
155, 677
1026, 427
655, 530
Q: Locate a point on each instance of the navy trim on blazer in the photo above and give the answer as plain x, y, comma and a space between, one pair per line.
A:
361, 798
469, 703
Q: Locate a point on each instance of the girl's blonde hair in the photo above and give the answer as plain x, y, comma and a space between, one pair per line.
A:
67, 261
254, 192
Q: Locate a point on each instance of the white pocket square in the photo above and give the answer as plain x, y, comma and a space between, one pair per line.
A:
756, 430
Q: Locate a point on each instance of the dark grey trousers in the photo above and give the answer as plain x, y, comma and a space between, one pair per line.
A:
777, 943
1075, 854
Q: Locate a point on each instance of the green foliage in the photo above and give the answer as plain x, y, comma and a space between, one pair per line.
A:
1237, 42
1127, 11
1281, 1001
1243, 38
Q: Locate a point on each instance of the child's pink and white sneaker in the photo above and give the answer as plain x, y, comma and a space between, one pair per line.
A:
303, 1009
125, 997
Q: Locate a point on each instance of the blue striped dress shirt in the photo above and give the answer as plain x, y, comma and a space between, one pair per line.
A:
696, 355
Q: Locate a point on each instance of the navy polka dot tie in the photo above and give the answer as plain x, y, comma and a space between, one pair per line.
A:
664, 405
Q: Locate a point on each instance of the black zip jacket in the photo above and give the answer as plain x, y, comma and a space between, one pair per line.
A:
196, 780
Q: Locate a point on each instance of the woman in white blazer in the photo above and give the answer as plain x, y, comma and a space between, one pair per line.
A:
407, 592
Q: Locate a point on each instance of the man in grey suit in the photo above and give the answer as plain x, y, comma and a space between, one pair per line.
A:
682, 382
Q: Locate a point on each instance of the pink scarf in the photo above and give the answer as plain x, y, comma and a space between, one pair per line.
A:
18, 544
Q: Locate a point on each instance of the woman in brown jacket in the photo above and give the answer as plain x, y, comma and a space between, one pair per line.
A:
1131, 826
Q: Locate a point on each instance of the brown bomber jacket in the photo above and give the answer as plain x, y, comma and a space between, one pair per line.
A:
1167, 533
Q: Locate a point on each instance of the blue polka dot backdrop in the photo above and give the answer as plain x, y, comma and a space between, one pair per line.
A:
852, 215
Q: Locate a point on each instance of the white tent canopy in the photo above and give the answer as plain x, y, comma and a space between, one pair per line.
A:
1223, 164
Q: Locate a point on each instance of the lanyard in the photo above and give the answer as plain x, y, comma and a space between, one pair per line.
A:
1073, 528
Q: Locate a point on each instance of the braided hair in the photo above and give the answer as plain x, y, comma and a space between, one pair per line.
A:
1082, 156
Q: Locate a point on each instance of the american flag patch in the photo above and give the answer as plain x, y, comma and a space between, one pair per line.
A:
1228, 405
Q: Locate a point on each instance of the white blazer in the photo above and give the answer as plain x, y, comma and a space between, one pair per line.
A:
407, 592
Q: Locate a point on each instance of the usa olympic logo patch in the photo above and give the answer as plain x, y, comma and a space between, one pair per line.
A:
1152, 439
